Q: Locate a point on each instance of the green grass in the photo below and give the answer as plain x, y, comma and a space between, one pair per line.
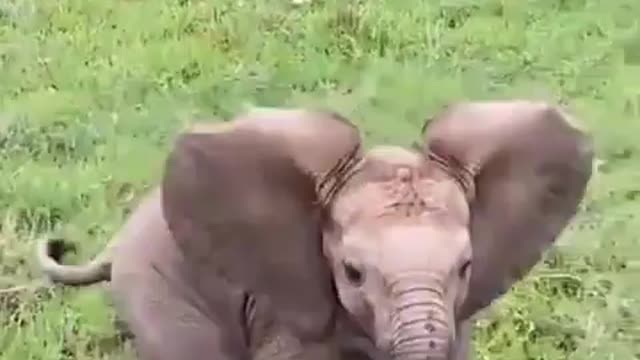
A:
92, 91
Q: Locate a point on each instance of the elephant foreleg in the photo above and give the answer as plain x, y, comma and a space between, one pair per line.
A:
169, 326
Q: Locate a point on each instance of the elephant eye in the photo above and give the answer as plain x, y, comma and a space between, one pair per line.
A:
353, 274
464, 268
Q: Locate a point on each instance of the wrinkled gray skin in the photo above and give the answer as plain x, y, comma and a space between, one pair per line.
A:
421, 240
187, 296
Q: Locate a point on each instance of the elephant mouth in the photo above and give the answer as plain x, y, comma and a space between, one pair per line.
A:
360, 344
430, 344
363, 348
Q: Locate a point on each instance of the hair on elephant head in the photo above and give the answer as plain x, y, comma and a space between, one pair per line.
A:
421, 239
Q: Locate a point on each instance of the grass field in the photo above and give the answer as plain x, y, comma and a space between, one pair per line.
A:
92, 91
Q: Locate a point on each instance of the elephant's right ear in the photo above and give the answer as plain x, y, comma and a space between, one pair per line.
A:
525, 168
243, 203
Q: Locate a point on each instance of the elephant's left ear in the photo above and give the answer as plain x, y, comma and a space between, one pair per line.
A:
242, 203
525, 169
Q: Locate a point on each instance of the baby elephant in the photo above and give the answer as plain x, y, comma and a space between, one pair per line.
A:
238, 272
415, 242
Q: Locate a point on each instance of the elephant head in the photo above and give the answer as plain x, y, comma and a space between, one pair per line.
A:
420, 240
286, 203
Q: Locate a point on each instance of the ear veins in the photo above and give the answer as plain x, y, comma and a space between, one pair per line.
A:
464, 175
330, 183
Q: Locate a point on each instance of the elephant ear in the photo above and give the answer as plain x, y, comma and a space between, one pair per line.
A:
525, 169
243, 202
314, 138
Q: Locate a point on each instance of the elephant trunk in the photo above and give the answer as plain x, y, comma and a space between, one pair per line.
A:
421, 329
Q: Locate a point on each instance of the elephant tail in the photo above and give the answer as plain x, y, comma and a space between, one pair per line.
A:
50, 253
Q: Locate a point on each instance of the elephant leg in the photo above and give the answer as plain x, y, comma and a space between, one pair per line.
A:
166, 325
463, 347
124, 333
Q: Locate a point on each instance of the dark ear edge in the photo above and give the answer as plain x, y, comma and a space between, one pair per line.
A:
529, 167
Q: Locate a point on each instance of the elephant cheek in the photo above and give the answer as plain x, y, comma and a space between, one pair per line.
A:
359, 310
421, 325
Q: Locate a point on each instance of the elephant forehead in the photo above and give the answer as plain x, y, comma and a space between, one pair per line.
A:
396, 201
406, 240
387, 163
394, 155
430, 245
357, 203
429, 235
